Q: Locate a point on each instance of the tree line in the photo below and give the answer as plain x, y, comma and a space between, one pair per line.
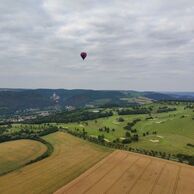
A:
165, 109
119, 145
68, 117
133, 111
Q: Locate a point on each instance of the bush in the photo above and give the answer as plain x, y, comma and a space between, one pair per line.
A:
133, 130
134, 111
131, 124
165, 109
126, 141
120, 119
128, 134
135, 137
190, 145
101, 138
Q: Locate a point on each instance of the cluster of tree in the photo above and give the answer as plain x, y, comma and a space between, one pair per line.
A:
135, 137
4, 128
131, 124
126, 141
190, 145
177, 101
128, 138
110, 105
121, 144
189, 106
27, 134
165, 109
120, 119
4, 123
73, 116
36, 127
119, 104
133, 111
127, 134
152, 153
147, 133
106, 129
47, 131
79, 133
148, 118
185, 158
101, 138
46, 154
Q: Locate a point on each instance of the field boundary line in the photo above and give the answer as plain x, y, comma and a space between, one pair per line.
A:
105, 174
139, 176
86, 172
72, 167
122, 174
39, 158
29, 179
176, 181
157, 178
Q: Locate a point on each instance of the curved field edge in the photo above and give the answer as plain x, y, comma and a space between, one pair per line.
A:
45, 154
71, 157
17, 153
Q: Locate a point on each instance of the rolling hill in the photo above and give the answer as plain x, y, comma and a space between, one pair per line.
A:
12, 100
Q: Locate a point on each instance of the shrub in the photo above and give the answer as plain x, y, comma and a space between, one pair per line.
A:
135, 137
120, 119
126, 141
128, 134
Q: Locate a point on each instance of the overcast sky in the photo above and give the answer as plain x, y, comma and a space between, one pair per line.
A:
131, 44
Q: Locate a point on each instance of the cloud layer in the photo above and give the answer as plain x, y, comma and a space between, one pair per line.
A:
132, 44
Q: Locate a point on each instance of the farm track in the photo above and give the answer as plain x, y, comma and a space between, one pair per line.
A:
124, 172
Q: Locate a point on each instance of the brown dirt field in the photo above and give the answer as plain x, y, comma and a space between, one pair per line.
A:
126, 172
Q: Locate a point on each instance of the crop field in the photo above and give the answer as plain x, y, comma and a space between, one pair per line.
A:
15, 154
124, 172
71, 157
169, 127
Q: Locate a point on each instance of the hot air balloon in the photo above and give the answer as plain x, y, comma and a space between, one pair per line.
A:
83, 55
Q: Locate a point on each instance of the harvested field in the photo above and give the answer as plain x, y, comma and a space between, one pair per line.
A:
14, 154
71, 157
125, 172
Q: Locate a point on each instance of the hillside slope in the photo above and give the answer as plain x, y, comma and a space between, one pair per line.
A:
12, 100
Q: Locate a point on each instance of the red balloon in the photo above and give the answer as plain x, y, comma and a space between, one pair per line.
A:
83, 55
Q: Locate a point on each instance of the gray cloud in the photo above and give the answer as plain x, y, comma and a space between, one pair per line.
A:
142, 45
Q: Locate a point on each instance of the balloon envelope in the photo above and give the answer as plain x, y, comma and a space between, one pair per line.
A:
83, 55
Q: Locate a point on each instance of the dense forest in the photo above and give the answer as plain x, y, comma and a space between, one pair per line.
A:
12, 100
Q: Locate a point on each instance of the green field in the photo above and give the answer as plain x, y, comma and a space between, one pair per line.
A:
174, 130
71, 157
15, 154
173, 134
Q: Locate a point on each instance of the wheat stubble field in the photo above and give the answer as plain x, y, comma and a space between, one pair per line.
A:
124, 172
15, 154
71, 157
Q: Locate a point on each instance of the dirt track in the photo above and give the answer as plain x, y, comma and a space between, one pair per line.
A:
124, 172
